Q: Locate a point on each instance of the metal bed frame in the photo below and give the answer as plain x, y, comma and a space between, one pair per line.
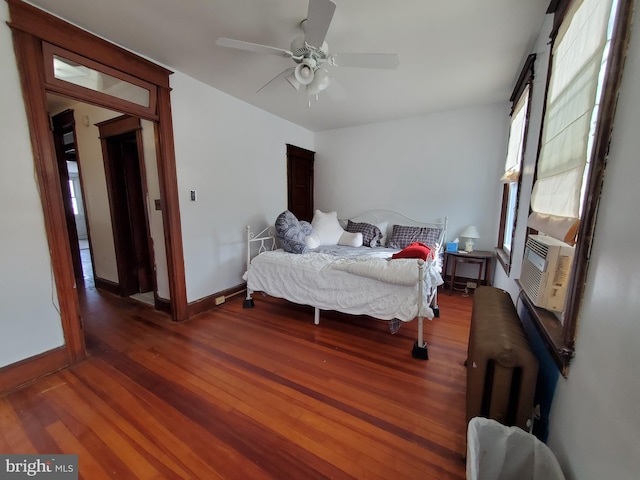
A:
265, 240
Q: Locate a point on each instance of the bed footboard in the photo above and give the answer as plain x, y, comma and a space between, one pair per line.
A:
420, 346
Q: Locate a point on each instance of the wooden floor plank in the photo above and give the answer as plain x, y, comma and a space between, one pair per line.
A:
68, 442
257, 393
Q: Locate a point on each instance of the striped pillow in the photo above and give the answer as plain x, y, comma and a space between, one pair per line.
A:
371, 234
403, 235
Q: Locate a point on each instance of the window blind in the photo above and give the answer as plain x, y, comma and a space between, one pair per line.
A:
577, 58
516, 137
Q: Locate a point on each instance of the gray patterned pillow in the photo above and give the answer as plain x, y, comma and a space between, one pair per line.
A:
290, 232
371, 234
403, 235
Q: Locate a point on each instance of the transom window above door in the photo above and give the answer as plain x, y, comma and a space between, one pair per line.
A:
98, 84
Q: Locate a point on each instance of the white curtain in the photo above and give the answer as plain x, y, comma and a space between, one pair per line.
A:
577, 59
516, 139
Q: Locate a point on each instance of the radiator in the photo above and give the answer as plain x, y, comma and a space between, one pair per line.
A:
501, 369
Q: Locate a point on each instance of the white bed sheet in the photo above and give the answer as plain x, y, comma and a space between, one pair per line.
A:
309, 279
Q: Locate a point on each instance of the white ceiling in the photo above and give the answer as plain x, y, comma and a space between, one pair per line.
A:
452, 53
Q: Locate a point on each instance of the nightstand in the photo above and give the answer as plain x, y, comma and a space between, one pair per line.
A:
483, 259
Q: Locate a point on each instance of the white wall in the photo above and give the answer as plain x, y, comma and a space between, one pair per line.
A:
96, 199
594, 424
426, 167
29, 318
234, 156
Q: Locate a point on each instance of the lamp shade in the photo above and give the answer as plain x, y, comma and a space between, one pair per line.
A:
321, 80
470, 232
291, 78
304, 74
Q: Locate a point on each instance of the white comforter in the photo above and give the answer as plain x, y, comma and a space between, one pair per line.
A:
402, 271
387, 290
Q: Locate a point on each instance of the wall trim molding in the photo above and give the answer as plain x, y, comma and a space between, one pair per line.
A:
31, 369
107, 285
209, 302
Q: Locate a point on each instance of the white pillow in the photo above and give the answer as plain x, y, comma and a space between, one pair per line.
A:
326, 230
351, 239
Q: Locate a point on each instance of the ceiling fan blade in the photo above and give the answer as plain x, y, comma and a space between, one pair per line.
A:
388, 61
253, 47
283, 74
319, 16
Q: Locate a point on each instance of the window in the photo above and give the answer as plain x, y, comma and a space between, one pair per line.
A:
577, 72
74, 200
515, 151
68, 73
589, 43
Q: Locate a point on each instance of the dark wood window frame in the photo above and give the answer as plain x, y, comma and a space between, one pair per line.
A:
32, 28
560, 337
525, 79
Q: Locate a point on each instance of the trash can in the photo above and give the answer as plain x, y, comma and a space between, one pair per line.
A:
498, 452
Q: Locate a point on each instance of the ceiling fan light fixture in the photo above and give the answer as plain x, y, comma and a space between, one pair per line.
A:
310, 52
321, 80
291, 78
304, 74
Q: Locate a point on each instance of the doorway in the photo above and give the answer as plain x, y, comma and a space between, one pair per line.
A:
126, 184
39, 40
117, 243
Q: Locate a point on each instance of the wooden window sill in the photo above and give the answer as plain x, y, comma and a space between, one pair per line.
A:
503, 259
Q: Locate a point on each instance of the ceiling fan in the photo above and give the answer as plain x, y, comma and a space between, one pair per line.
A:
311, 53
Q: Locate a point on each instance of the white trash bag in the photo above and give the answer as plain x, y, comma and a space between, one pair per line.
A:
497, 452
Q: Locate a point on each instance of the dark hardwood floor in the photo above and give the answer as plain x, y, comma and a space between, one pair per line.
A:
250, 394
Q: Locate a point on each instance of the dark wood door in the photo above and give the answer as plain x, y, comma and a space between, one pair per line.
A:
64, 141
127, 193
300, 182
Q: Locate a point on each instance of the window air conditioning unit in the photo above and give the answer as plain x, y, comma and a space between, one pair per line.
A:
545, 271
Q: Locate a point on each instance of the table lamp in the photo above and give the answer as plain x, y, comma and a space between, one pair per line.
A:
470, 233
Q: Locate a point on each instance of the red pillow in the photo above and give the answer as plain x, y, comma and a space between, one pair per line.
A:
414, 250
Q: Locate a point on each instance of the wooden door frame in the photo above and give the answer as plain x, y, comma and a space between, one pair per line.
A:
31, 27
65, 121
112, 128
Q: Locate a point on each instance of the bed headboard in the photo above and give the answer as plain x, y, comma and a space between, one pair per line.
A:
265, 240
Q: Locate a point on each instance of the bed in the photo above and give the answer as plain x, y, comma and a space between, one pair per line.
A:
358, 280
